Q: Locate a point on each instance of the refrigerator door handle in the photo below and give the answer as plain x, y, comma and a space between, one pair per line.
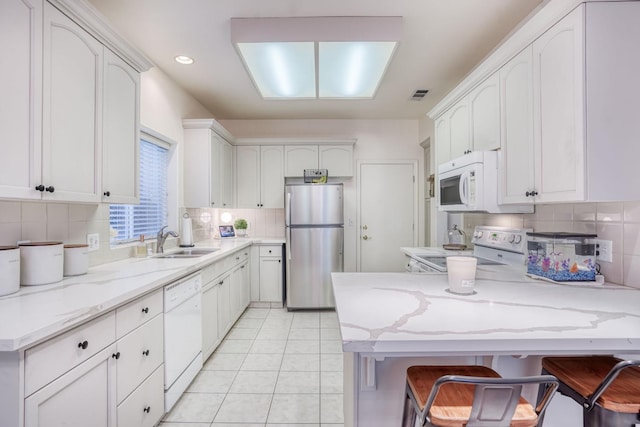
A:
287, 209
288, 243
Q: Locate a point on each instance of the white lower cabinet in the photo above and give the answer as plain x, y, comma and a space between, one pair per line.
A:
270, 274
106, 373
145, 406
224, 305
210, 337
82, 397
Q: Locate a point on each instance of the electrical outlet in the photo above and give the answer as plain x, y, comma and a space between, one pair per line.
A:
93, 240
604, 250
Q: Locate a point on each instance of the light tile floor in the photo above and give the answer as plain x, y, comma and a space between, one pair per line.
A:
274, 369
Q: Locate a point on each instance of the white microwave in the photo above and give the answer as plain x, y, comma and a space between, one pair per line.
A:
470, 184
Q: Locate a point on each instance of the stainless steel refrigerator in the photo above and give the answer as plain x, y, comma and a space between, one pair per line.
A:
315, 240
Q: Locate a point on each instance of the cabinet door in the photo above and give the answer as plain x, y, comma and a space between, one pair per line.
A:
145, 406
71, 148
248, 176
245, 283
271, 279
215, 174
443, 140
297, 158
21, 88
272, 177
484, 103
120, 146
67, 402
558, 78
210, 337
224, 306
235, 293
226, 170
197, 177
516, 160
459, 129
337, 159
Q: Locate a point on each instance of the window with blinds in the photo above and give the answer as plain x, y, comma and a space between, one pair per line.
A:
129, 222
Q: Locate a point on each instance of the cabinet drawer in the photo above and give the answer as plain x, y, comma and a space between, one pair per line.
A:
141, 352
274, 250
145, 406
47, 361
137, 312
211, 271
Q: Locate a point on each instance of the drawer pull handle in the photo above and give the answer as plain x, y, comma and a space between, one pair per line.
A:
145, 353
83, 345
147, 409
116, 355
221, 282
145, 310
269, 250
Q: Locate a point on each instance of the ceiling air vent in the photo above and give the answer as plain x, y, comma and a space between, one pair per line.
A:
419, 94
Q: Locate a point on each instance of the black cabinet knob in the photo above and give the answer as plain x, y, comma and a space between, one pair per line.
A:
107, 193
116, 355
145, 310
258, 205
83, 345
145, 353
40, 187
147, 409
213, 203
243, 266
279, 260
50, 189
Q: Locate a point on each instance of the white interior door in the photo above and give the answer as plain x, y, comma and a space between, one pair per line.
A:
387, 214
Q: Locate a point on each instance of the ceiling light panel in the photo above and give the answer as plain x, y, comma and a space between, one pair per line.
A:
352, 69
281, 70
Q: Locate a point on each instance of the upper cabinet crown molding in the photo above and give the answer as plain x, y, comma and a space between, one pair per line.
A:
295, 141
532, 27
212, 124
92, 21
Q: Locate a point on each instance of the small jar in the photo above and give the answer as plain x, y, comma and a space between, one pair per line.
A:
76, 259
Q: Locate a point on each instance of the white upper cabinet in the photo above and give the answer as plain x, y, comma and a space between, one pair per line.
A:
443, 140
297, 158
248, 176
120, 151
558, 95
516, 103
72, 112
208, 177
484, 102
21, 88
459, 129
271, 176
337, 159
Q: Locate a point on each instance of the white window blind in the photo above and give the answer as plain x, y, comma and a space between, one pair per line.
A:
146, 218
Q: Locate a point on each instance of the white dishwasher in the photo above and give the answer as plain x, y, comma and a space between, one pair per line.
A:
182, 336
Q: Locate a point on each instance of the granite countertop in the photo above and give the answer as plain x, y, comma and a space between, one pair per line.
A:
509, 314
35, 313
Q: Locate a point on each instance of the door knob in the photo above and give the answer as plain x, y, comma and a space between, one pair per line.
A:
364, 227
365, 237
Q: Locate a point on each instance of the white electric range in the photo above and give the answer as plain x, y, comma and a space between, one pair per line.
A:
492, 246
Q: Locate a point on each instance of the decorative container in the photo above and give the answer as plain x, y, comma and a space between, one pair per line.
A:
9, 269
41, 263
562, 257
76, 259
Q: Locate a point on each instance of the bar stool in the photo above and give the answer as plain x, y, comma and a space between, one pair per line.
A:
471, 396
607, 388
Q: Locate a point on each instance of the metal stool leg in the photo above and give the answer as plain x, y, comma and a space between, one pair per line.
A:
409, 411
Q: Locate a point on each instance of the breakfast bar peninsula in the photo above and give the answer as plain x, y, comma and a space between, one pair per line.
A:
390, 321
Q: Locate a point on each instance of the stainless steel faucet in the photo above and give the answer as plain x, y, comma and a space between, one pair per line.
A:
161, 237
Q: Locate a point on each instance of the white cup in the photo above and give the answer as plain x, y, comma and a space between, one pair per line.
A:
462, 274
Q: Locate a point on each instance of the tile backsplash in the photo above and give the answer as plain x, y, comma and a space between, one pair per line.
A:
618, 222
261, 222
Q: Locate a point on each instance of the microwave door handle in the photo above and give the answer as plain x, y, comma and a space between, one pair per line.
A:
463, 188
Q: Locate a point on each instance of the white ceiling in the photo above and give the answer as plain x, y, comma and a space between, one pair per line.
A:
443, 40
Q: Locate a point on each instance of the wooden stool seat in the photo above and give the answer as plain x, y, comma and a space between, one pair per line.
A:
585, 373
452, 406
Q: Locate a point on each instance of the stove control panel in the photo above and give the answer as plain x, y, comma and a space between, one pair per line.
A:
508, 239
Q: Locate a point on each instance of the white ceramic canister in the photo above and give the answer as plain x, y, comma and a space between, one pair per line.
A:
76, 259
9, 270
41, 263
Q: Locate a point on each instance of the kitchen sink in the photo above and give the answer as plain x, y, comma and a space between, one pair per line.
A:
189, 253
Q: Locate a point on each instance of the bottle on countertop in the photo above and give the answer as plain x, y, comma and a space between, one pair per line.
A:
141, 248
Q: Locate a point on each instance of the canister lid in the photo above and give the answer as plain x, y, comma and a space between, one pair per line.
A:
76, 245
40, 243
7, 248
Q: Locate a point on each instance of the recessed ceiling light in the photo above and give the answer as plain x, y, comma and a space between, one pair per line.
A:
316, 57
183, 59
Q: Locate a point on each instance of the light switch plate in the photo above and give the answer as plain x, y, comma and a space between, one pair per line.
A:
93, 240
